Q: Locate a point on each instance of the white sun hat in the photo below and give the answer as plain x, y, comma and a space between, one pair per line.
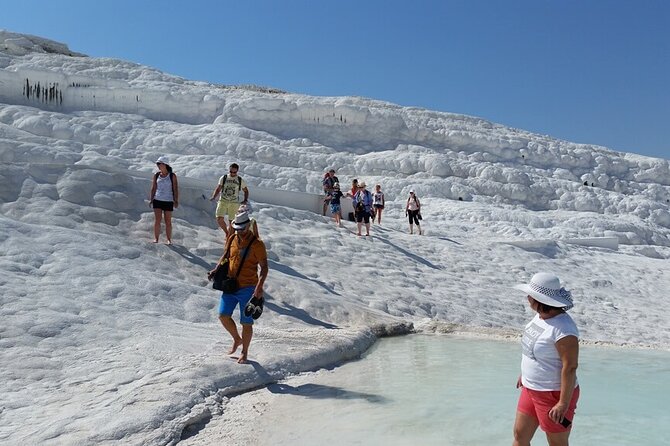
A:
546, 288
163, 159
241, 220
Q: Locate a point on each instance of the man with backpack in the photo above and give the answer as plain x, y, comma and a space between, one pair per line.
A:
229, 186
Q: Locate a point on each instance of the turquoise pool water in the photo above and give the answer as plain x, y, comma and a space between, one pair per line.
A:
444, 390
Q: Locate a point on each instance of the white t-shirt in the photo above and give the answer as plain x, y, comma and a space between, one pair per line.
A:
540, 364
231, 190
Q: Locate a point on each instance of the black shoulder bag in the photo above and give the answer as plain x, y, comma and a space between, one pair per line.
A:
222, 281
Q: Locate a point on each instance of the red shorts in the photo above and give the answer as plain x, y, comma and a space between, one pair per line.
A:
537, 404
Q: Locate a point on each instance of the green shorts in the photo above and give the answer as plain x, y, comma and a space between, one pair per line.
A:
227, 208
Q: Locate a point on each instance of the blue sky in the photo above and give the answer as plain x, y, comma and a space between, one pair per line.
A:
591, 71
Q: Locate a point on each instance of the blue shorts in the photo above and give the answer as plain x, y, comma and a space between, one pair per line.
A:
335, 208
230, 301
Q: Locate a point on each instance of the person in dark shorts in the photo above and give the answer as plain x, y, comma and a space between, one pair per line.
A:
164, 197
413, 212
362, 202
378, 203
329, 180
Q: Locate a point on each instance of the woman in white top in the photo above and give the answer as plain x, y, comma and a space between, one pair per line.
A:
164, 197
378, 203
550, 351
413, 212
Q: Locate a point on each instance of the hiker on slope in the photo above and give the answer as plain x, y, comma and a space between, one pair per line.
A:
229, 186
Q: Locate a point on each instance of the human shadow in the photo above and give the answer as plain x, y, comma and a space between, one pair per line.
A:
291, 272
320, 391
186, 254
409, 254
298, 313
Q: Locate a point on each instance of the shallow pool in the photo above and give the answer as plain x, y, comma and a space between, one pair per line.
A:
444, 390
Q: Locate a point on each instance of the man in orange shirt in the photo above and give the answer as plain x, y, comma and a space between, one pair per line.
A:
250, 281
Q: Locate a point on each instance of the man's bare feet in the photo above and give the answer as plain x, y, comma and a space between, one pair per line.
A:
236, 343
243, 358
155, 240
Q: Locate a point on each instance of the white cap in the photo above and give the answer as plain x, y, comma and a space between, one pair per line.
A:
163, 159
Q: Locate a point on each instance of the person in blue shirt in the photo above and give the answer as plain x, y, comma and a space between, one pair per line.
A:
362, 202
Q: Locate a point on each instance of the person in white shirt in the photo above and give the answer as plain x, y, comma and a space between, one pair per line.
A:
413, 212
378, 203
550, 351
164, 197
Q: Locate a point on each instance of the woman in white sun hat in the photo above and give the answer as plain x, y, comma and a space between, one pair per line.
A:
164, 197
550, 351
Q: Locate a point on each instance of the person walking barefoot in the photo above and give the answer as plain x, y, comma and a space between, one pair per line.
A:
378, 202
335, 204
251, 277
362, 202
550, 352
412, 211
229, 188
164, 197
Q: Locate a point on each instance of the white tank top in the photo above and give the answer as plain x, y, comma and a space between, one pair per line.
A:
164, 188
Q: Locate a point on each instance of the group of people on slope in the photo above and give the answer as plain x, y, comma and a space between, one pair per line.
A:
550, 341
244, 254
367, 206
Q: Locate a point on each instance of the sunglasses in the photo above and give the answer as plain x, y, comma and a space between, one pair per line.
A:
232, 171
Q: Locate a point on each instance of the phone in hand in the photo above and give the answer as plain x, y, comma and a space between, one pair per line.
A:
565, 422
